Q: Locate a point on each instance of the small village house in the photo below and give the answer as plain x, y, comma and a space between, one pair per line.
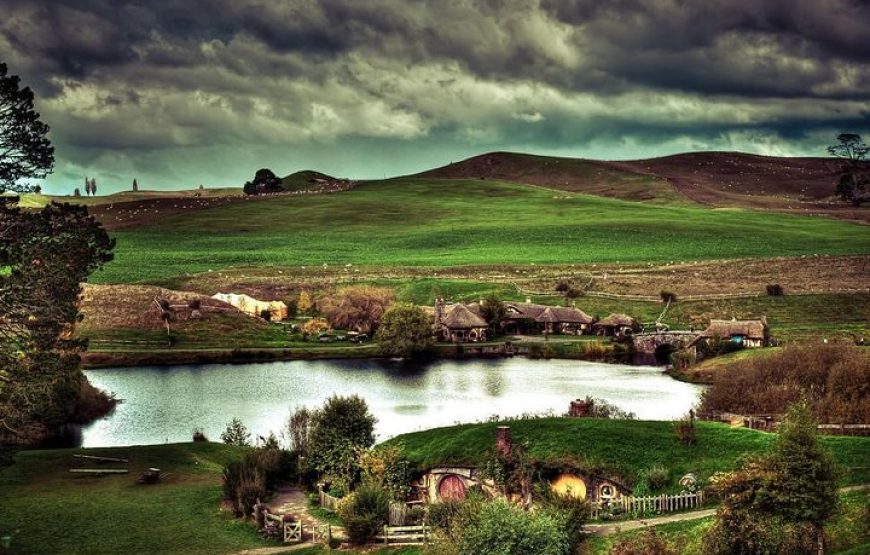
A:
747, 333
458, 324
531, 318
249, 305
615, 325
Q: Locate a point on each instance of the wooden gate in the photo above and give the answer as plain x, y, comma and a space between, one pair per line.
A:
451, 488
398, 513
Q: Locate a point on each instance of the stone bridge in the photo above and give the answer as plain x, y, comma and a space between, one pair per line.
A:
649, 342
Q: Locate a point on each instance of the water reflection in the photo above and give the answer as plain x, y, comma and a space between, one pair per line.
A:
166, 404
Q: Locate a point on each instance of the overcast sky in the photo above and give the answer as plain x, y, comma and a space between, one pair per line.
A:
182, 92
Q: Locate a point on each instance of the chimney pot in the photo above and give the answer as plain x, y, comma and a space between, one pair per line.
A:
503, 440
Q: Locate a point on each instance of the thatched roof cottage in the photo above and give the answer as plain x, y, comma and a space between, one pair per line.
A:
458, 324
615, 325
530, 317
749, 333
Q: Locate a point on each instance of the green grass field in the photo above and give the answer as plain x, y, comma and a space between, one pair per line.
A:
624, 447
49, 510
420, 222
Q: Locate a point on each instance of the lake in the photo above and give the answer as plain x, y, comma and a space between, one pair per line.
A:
165, 404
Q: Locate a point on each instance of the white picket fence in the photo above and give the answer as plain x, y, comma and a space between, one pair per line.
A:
630, 505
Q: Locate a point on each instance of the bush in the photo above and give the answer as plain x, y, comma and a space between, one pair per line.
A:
362, 528
572, 512
236, 433
199, 435
500, 528
685, 429
365, 512
775, 290
657, 478
647, 543
668, 296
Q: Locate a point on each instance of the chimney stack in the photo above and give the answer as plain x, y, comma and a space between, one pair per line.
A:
503, 440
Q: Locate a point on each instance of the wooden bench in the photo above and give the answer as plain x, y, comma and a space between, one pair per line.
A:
405, 535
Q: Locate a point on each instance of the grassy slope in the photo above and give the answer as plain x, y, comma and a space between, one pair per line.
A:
436, 223
623, 447
51, 511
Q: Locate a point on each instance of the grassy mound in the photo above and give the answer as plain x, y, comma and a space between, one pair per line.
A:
305, 179
623, 447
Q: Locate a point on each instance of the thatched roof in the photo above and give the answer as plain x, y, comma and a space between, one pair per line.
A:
616, 320
752, 329
459, 316
543, 313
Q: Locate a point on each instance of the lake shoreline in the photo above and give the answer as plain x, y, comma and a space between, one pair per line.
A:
109, 359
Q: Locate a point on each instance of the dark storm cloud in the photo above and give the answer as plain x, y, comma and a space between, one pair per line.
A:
124, 81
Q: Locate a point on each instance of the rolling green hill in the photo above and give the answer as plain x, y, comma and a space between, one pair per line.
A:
577, 175
437, 222
624, 447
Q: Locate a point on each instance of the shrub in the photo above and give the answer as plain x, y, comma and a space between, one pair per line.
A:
199, 435
685, 429
315, 326
647, 543
657, 478
668, 296
500, 528
775, 290
572, 513
364, 512
266, 315
194, 304
362, 528
338, 431
563, 287
236, 434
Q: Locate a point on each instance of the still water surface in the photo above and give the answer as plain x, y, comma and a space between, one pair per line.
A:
164, 404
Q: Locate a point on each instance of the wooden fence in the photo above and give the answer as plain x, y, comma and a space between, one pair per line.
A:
630, 505
327, 501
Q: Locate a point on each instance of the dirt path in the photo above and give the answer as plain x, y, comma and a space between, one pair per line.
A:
290, 499
626, 525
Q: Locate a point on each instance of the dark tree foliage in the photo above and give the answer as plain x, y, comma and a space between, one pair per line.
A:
25, 151
853, 184
44, 256
493, 311
778, 503
338, 430
405, 331
265, 181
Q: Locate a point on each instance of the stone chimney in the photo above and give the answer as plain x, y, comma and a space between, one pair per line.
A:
439, 310
503, 440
